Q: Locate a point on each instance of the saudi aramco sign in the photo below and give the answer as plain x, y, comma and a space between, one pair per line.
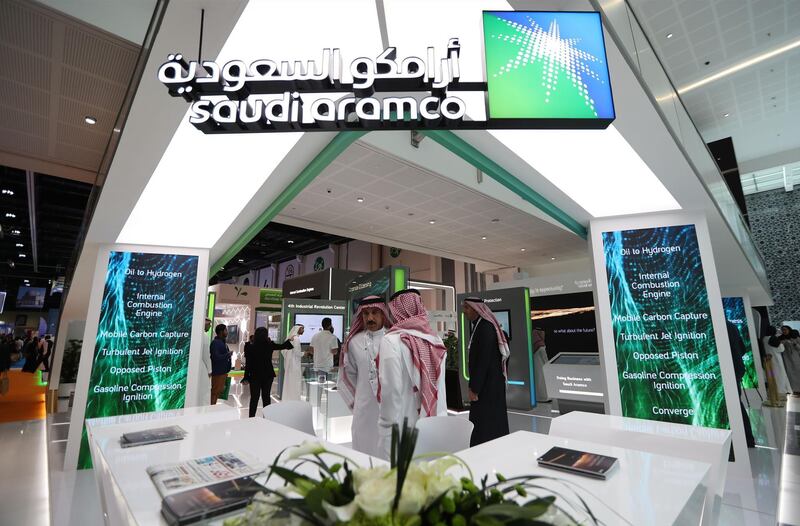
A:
542, 70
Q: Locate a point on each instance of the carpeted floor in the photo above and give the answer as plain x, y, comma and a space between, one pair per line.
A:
25, 397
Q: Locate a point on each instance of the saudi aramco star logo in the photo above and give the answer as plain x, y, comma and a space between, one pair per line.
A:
543, 65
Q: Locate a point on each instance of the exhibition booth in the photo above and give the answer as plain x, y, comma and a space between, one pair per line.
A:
577, 217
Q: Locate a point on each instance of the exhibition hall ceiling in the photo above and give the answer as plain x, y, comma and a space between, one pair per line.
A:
759, 105
53, 222
367, 194
58, 75
274, 244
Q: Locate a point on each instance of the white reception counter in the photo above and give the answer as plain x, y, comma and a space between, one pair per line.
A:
645, 489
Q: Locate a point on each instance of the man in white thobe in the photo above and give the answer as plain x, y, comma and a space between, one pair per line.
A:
358, 372
411, 381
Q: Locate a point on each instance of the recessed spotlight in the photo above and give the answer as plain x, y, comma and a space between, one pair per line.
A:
726, 114
117, 130
522, 250
483, 237
15, 232
290, 242
241, 261
669, 35
90, 120
6, 191
12, 216
410, 214
22, 255
495, 220
432, 222
707, 62
360, 199
552, 259
20, 245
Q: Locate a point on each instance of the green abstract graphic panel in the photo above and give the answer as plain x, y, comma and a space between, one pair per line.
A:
666, 351
141, 353
734, 313
546, 65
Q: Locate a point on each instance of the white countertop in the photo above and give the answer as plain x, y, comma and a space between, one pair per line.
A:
256, 437
644, 489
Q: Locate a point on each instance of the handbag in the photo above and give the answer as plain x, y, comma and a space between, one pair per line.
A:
227, 390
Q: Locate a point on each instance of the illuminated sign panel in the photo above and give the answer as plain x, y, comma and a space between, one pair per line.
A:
544, 69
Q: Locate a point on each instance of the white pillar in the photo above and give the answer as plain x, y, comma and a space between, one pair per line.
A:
661, 270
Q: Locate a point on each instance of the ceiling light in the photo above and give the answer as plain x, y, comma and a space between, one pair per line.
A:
609, 178
495, 220
22, 255
669, 35
90, 120
117, 130
522, 250
741, 65
241, 261
290, 242
360, 199
12, 216
483, 237
6, 191
726, 115
552, 259
20, 245
432, 221
15, 232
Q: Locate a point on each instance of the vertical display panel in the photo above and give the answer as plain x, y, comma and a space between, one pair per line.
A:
141, 353
736, 314
667, 362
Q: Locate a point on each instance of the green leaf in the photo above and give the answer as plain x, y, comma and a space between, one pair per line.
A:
335, 468
500, 477
458, 520
514, 511
520, 490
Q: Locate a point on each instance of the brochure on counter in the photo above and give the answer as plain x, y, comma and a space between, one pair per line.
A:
205, 502
180, 476
578, 462
152, 436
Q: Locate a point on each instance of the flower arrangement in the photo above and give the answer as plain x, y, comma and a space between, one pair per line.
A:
408, 492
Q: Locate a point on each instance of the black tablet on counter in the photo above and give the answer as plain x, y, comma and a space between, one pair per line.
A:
205, 502
578, 462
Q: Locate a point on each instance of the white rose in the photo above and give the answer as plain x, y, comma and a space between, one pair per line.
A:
341, 513
412, 499
375, 496
360, 476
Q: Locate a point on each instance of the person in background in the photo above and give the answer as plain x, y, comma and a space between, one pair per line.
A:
220, 362
205, 356
48, 350
247, 345
790, 338
539, 361
293, 366
411, 361
775, 348
358, 373
259, 367
6, 349
31, 353
323, 346
488, 353
738, 350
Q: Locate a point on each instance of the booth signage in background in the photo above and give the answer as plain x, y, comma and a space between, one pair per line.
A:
383, 282
666, 352
736, 314
270, 297
141, 353
543, 70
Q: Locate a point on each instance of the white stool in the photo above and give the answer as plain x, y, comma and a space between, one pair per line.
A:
443, 434
292, 413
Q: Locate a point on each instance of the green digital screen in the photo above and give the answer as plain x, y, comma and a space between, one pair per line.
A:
735, 313
141, 353
668, 366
